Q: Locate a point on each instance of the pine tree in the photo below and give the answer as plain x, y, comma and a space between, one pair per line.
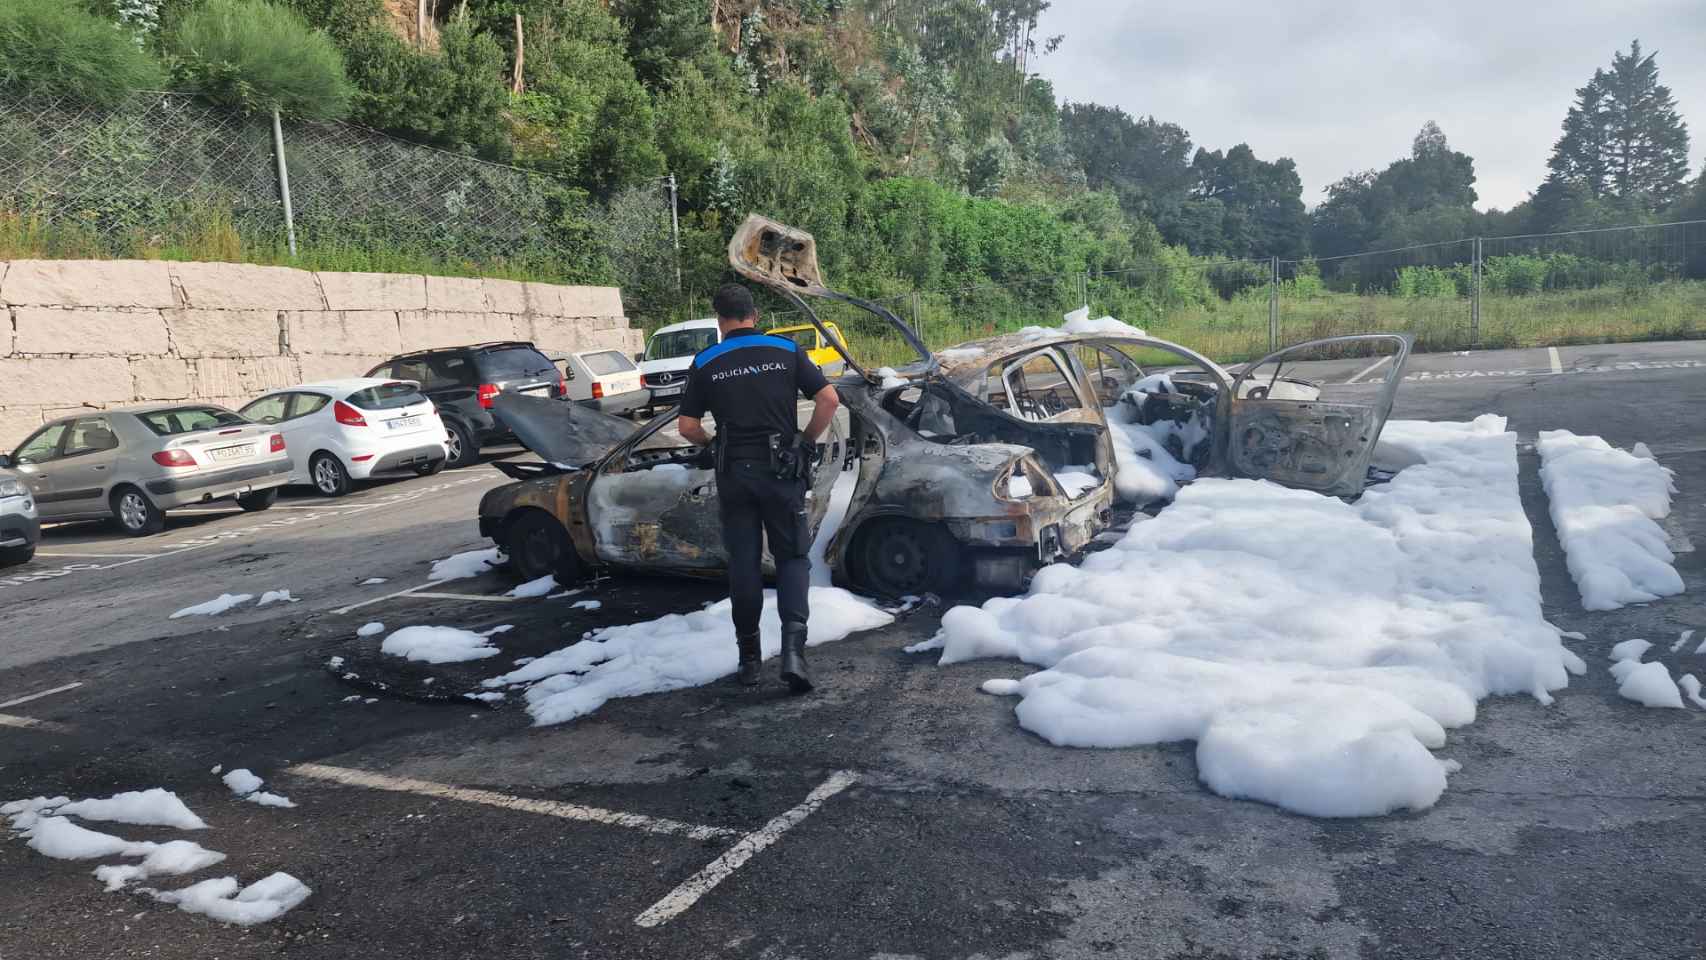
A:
1623, 137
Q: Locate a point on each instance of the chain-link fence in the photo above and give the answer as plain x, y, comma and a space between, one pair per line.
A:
167, 172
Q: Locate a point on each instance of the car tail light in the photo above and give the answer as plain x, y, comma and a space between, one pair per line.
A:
597, 390
348, 415
174, 458
487, 392
562, 387
277, 443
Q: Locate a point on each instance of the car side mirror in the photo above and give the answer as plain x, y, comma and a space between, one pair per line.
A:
639, 357
5, 460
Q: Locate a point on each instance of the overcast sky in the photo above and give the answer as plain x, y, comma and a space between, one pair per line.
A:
1343, 86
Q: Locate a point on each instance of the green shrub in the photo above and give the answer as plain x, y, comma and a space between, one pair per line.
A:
254, 55
53, 48
454, 98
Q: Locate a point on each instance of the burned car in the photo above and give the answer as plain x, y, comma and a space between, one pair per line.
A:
979, 462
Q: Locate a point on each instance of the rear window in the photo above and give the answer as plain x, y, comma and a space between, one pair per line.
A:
514, 363
606, 362
805, 338
386, 396
169, 423
680, 343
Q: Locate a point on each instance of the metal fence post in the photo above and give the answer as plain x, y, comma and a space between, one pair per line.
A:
1084, 289
1273, 304
283, 182
916, 329
1475, 300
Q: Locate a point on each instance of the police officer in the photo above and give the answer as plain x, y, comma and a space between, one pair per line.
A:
751, 384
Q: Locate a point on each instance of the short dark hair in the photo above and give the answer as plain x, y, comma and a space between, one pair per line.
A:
733, 302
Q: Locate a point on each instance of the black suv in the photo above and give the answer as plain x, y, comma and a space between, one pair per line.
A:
461, 382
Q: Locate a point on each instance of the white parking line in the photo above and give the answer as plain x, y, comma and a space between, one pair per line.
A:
97, 556
38, 696
1376, 365
1557, 364
719, 869
400, 593
31, 723
499, 598
550, 808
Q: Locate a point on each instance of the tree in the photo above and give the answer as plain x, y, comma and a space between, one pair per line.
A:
1426, 197
1262, 202
664, 35
1623, 137
1146, 163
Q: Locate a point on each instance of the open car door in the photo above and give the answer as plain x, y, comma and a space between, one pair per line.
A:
1322, 444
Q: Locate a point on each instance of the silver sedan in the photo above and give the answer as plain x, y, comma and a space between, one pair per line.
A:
133, 465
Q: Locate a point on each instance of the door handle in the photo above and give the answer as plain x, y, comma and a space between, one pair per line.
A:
100, 466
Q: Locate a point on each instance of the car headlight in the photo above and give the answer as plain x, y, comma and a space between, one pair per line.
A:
11, 488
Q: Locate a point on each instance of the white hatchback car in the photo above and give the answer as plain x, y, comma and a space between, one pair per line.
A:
344, 430
605, 380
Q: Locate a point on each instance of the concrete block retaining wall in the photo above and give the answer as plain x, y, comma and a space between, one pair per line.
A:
95, 334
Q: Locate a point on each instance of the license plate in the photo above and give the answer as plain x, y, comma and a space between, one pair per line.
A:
541, 388
231, 453
666, 391
405, 423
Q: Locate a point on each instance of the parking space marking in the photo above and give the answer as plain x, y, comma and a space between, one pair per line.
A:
38, 696
31, 723
1376, 365
389, 596
549, 808
494, 598
1557, 364
715, 872
97, 556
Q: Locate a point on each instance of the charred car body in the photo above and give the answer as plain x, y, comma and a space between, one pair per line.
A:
981, 461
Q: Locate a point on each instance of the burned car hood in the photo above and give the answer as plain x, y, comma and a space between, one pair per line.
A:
562, 432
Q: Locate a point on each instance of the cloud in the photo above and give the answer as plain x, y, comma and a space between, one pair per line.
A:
1344, 87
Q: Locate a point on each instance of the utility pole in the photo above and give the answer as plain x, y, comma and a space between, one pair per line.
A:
1475, 300
1273, 304
283, 182
675, 230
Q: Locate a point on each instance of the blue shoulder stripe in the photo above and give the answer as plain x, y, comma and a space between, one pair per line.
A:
763, 340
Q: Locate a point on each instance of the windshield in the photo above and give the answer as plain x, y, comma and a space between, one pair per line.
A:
178, 420
513, 362
607, 362
386, 396
680, 343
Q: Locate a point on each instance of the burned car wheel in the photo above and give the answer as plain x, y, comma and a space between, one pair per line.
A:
894, 557
537, 545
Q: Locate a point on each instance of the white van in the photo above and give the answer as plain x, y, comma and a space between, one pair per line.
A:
605, 380
670, 351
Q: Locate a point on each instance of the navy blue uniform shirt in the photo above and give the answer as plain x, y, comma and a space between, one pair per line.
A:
751, 383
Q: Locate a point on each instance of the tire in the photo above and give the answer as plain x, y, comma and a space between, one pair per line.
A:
326, 472
17, 555
464, 449
259, 500
135, 514
428, 469
896, 557
537, 544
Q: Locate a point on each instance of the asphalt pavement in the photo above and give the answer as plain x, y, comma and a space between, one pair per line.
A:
897, 813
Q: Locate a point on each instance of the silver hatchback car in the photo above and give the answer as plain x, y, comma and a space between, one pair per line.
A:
134, 465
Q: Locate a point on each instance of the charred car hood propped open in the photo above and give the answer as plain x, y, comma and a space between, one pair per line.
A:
564, 433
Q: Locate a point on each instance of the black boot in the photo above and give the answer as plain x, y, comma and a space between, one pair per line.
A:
751, 655
794, 658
